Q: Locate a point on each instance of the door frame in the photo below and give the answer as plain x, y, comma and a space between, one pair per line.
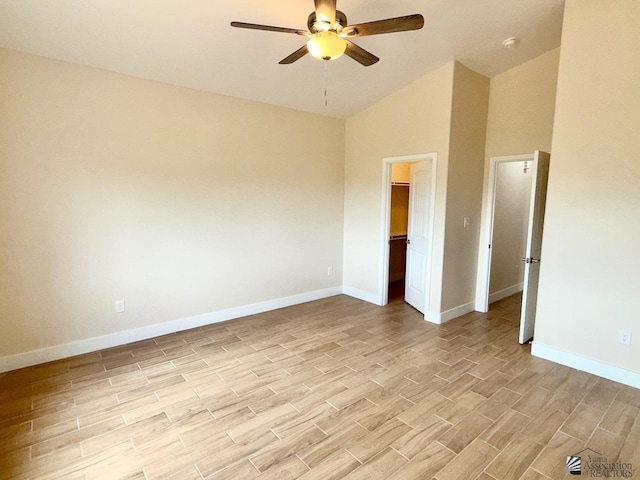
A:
383, 274
486, 229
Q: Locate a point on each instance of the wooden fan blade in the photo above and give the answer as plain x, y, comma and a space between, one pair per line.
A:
360, 55
269, 28
390, 25
326, 11
295, 56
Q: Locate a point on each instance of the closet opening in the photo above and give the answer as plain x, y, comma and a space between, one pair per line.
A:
408, 214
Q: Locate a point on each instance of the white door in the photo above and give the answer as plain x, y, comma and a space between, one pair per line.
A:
418, 236
534, 243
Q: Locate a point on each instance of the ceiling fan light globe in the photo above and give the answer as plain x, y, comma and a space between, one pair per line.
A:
326, 46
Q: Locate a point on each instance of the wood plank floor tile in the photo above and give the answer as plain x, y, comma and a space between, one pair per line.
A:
417, 439
425, 464
514, 460
347, 396
331, 389
504, 429
209, 464
469, 463
487, 367
243, 469
552, 459
566, 398
290, 468
457, 369
602, 394
499, 403
262, 422
461, 435
77, 436
380, 414
532, 474
319, 453
582, 422
491, 384
630, 452
536, 399
381, 438
284, 449
607, 443
629, 396
336, 467
190, 472
338, 419
379, 467
423, 411
544, 425
465, 404
620, 418
485, 476
419, 391
459, 386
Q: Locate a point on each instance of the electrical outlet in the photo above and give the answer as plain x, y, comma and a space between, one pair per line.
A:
467, 222
624, 337
329, 271
119, 306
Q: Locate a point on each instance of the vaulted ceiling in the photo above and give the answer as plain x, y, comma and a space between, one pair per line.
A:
190, 43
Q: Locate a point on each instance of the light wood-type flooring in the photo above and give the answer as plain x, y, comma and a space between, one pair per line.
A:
332, 389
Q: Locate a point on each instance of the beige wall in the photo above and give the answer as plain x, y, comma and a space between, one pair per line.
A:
178, 201
464, 186
589, 280
521, 107
510, 226
413, 120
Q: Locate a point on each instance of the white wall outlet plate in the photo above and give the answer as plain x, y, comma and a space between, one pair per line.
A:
329, 271
119, 306
467, 222
624, 337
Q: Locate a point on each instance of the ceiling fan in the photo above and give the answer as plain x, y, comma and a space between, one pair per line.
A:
329, 33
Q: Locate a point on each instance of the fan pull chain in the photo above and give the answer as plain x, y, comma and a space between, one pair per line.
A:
326, 74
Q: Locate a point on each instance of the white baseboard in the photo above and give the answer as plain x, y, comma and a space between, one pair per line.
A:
589, 365
79, 347
362, 295
505, 292
433, 317
447, 315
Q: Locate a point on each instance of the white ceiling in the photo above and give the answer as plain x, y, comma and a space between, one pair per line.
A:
190, 43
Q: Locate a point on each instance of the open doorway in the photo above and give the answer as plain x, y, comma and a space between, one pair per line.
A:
511, 244
399, 222
408, 212
512, 200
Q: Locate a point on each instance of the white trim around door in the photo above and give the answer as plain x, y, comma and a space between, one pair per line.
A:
383, 274
486, 229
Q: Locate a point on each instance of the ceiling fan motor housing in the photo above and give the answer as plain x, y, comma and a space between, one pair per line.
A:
340, 23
